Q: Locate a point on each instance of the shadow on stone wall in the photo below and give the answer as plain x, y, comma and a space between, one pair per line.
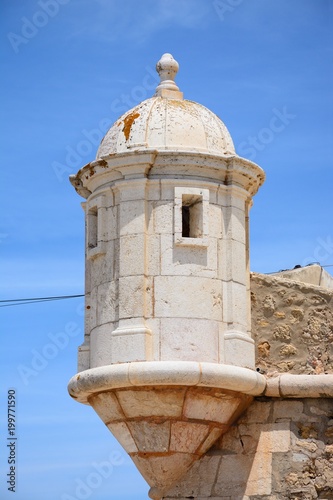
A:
278, 450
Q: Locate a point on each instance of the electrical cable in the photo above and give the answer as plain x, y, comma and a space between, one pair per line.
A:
35, 300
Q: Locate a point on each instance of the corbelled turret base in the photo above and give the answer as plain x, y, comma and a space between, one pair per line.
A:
166, 415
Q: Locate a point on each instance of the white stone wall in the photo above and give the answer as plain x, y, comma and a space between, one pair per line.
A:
152, 294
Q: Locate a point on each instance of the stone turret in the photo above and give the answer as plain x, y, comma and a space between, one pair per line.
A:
167, 360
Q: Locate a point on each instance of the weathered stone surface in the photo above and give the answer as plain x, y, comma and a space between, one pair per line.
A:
258, 412
199, 480
172, 299
228, 482
292, 325
213, 435
287, 410
209, 406
157, 402
186, 437
131, 344
107, 407
122, 433
167, 429
189, 339
160, 471
151, 436
100, 345
138, 272
279, 449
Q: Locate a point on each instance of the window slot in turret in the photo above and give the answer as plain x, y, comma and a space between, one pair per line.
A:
192, 216
92, 227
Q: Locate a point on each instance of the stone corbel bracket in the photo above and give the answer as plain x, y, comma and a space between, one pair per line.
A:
167, 414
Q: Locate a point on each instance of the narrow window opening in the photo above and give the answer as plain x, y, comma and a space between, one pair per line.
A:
192, 216
92, 228
185, 221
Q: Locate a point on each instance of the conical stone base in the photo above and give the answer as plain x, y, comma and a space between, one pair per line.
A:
167, 414
166, 429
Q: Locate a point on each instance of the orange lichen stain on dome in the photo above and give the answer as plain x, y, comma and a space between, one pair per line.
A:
128, 122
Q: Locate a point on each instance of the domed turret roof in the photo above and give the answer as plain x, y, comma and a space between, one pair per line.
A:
167, 122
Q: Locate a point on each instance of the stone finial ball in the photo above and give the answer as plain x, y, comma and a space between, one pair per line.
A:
167, 67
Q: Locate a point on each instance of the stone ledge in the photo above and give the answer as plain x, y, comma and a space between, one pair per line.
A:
167, 373
300, 386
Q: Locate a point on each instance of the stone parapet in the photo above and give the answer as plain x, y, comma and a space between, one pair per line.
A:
287, 385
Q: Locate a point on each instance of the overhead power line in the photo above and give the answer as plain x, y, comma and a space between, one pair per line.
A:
35, 300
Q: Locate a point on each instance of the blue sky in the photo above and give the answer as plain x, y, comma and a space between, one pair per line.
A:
69, 69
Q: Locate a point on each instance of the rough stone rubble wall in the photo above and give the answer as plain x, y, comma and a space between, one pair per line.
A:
280, 448
292, 325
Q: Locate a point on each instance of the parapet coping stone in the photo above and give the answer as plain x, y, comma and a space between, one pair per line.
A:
165, 373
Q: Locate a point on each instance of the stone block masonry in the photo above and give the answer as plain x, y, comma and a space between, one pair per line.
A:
279, 449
